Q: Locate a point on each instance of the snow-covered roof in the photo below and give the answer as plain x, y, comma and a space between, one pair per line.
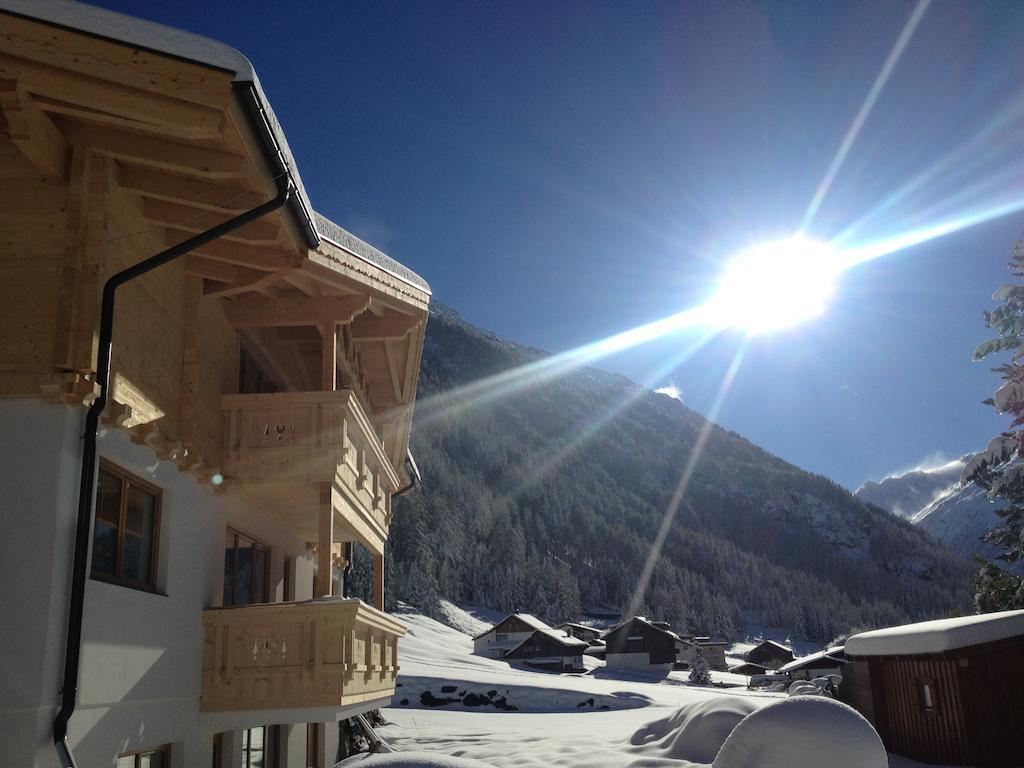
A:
526, 618
937, 636
159, 38
580, 626
558, 636
773, 644
650, 624
748, 668
832, 654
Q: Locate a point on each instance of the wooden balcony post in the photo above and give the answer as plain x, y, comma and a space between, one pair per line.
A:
329, 359
323, 573
378, 582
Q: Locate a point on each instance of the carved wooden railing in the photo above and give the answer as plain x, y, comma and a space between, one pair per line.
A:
309, 437
330, 652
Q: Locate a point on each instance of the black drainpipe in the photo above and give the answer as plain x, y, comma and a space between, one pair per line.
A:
87, 487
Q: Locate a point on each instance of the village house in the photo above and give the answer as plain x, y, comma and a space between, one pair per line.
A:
643, 644
713, 651
191, 452
581, 631
506, 635
770, 655
947, 691
550, 649
827, 662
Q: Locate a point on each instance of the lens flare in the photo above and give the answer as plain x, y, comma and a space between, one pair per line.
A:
776, 285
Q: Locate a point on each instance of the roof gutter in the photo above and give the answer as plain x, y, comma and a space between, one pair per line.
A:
87, 486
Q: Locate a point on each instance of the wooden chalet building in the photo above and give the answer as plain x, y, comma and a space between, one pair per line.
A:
643, 644
506, 635
827, 662
949, 691
550, 649
255, 425
581, 631
713, 651
770, 655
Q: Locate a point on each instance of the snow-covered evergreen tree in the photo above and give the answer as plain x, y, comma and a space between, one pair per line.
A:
700, 674
1000, 467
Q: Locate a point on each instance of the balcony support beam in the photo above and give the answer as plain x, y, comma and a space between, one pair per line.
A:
326, 539
329, 367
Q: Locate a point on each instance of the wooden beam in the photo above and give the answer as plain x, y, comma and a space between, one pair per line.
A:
185, 217
200, 266
267, 259
263, 281
304, 310
190, 368
158, 152
325, 540
124, 64
392, 326
298, 333
329, 357
190, 191
147, 107
33, 132
81, 112
396, 384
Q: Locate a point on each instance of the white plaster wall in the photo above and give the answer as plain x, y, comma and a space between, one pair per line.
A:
488, 646
141, 663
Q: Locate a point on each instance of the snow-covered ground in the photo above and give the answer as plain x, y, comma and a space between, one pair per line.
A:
454, 703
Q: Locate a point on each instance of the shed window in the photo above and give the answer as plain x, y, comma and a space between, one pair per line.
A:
500, 637
926, 692
124, 534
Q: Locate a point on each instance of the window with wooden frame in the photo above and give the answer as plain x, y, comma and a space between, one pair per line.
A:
259, 747
246, 570
160, 757
125, 534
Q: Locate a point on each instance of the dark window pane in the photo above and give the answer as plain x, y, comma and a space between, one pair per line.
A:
138, 539
243, 580
104, 549
108, 497
153, 760
259, 573
229, 569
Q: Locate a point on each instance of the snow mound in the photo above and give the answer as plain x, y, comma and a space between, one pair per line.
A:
432, 693
411, 760
803, 732
466, 620
695, 732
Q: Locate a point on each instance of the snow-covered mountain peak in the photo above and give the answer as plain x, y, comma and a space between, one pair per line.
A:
907, 493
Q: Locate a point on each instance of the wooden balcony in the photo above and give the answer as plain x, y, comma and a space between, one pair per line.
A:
283, 448
331, 653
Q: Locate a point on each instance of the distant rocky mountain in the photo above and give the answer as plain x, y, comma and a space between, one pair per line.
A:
907, 493
933, 500
543, 494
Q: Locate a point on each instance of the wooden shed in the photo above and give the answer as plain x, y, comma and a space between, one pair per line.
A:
643, 644
949, 691
770, 654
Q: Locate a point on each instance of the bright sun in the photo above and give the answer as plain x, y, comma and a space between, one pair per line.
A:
775, 285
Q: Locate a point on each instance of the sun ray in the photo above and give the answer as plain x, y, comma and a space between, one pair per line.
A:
684, 481
865, 110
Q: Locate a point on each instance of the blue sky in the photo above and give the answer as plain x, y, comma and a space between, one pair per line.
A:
560, 172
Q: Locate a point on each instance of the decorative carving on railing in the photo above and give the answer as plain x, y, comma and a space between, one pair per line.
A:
320, 653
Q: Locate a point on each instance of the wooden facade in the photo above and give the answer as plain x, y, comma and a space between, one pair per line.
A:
639, 636
959, 707
770, 654
550, 649
111, 152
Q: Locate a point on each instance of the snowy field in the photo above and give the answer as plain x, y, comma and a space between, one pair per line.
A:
454, 703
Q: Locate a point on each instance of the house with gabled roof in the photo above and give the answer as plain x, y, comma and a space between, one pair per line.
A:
506, 635
641, 643
770, 654
206, 392
582, 631
829, 661
551, 649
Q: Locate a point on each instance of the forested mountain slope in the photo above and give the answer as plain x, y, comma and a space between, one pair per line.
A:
513, 514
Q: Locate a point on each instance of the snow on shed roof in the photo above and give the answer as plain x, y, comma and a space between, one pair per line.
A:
829, 654
937, 636
160, 38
